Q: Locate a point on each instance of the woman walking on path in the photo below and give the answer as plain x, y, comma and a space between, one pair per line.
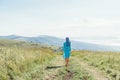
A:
66, 50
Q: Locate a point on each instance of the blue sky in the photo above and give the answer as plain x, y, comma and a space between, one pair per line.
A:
79, 19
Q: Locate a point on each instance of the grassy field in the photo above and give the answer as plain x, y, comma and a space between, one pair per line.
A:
108, 62
31, 61
23, 64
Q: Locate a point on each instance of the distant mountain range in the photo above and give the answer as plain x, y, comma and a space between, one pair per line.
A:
54, 41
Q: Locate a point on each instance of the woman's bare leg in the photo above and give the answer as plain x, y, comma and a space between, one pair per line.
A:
66, 62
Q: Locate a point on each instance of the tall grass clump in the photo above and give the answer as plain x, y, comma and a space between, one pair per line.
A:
23, 63
109, 62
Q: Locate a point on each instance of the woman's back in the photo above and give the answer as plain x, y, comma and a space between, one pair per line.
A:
67, 50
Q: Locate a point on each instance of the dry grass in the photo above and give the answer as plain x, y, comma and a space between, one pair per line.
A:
19, 63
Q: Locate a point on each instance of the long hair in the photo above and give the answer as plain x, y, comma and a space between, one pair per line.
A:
67, 41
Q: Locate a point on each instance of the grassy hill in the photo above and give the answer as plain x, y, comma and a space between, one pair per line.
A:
30, 61
20, 59
22, 44
107, 62
55, 41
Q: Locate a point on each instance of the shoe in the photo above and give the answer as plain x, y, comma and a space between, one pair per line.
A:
65, 65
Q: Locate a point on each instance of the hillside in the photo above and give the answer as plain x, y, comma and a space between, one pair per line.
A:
41, 63
31, 61
23, 44
54, 41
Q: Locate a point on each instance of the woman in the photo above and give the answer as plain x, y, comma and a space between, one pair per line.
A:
67, 51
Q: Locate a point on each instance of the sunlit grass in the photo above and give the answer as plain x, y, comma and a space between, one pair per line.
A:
20, 63
109, 62
27, 61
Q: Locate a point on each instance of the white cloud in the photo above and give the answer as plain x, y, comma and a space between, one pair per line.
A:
74, 18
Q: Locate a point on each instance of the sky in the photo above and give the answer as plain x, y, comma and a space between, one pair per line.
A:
96, 21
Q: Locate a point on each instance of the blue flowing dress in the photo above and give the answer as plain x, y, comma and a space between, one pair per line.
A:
66, 50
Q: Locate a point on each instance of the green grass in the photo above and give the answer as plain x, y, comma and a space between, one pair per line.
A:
108, 62
22, 64
28, 61
75, 71
72, 72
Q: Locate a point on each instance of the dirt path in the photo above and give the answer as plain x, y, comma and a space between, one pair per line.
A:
97, 74
52, 71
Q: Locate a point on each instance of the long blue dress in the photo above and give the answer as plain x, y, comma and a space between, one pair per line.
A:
66, 50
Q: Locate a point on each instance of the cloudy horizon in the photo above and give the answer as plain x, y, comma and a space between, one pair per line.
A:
83, 20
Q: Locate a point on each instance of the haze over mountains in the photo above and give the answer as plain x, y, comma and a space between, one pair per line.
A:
54, 41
